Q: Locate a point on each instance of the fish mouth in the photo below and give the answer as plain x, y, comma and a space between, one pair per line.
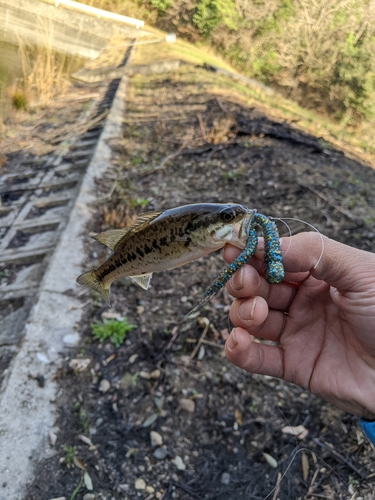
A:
246, 222
241, 228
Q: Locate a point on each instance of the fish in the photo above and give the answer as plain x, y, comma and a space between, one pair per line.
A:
160, 241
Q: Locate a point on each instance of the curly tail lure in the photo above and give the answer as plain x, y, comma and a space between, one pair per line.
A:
274, 269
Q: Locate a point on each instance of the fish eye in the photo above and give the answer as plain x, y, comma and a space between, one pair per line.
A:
227, 215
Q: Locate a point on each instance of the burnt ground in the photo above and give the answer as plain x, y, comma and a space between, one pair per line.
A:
185, 142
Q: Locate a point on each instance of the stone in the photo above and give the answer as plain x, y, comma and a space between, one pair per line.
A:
156, 439
155, 375
42, 357
160, 453
140, 484
179, 463
187, 405
104, 386
71, 339
225, 478
133, 358
52, 437
79, 364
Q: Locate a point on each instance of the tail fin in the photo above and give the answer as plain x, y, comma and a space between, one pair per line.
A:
90, 280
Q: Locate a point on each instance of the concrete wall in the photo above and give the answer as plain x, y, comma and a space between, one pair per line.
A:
66, 31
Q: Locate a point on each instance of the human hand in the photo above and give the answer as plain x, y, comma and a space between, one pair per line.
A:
321, 316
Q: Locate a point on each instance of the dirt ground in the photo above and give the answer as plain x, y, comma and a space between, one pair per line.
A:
219, 430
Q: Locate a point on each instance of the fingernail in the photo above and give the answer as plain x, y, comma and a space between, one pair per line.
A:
237, 280
243, 310
232, 341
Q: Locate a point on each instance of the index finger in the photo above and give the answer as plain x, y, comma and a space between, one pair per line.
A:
341, 266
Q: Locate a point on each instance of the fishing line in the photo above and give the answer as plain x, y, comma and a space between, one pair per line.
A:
291, 462
312, 227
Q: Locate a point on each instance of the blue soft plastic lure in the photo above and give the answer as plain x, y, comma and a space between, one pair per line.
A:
274, 269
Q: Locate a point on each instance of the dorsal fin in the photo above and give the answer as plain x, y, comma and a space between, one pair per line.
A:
111, 238
143, 218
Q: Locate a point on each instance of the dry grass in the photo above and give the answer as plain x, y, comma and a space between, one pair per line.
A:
179, 50
44, 73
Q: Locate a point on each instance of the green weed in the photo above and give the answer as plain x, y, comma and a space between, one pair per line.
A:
75, 492
136, 161
112, 330
69, 454
83, 417
369, 221
138, 202
19, 100
253, 408
3, 273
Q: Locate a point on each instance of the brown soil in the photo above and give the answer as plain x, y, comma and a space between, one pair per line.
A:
220, 150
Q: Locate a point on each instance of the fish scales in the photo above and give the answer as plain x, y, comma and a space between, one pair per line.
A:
161, 242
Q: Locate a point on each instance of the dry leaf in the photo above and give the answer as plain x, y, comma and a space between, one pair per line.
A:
131, 452
88, 482
277, 487
109, 359
238, 416
85, 440
78, 463
305, 466
150, 420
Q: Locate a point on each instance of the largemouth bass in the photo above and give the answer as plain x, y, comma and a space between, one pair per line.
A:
159, 241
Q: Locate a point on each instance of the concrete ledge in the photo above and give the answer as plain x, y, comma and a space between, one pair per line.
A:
27, 411
67, 31
105, 14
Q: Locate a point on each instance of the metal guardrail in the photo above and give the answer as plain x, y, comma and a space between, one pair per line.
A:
100, 12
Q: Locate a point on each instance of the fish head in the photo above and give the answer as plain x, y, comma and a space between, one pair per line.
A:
222, 223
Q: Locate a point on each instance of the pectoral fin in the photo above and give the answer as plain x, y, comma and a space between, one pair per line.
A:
111, 238
143, 280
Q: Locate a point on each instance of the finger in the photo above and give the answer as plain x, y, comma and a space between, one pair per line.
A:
231, 252
254, 316
341, 266
246, 282
242, 351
